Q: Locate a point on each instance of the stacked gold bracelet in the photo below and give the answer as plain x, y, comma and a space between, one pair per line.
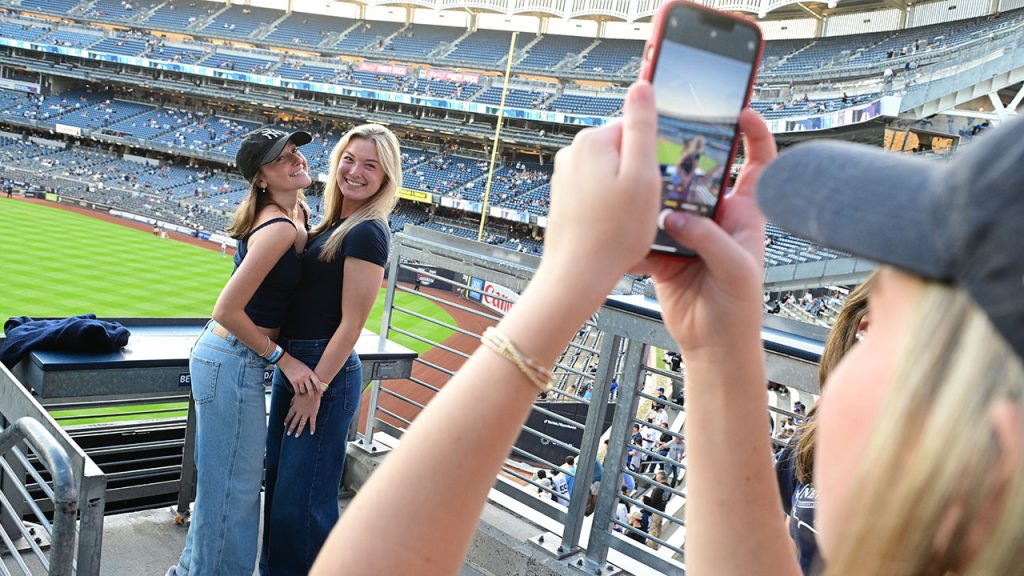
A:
503, 346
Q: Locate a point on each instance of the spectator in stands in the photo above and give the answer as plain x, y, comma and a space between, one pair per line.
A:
342, 271
228, 360
794, 466
546, 487
657, 499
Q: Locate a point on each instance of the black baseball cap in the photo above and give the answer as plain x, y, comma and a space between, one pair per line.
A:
264, 145
959, 222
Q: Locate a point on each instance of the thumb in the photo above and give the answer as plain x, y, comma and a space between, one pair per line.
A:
720, 252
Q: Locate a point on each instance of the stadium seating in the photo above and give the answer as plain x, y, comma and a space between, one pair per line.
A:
124, 46
22, 31
611, 55
516, 97
419, 40
62, 7
176, 54
300, 29
547, 52
104, 114
70, 39
115, 9
486, 47
308, 73
367, 36
239, 62
580, 104
180, 15
241, 21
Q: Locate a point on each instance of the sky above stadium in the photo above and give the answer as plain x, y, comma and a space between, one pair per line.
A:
695, 84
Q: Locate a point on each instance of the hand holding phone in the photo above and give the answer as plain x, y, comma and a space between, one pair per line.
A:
702, 64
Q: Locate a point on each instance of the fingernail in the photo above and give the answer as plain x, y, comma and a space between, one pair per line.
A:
675, 221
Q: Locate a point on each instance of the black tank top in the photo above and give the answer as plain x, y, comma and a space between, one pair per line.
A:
270, 302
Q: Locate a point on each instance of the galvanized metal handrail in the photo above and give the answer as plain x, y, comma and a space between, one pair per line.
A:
64, 495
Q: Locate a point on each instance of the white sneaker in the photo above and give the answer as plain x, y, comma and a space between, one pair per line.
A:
171, 572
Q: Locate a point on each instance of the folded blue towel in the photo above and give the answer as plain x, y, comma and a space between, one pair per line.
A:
82, 333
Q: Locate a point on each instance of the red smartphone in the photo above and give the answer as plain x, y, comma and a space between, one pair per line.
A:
702, 64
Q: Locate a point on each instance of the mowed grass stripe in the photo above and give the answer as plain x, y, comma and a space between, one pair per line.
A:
64, 263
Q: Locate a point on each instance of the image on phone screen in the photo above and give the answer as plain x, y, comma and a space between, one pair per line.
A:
700, 82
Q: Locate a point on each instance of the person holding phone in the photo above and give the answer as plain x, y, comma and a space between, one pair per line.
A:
606, 207
342, 271
228, 359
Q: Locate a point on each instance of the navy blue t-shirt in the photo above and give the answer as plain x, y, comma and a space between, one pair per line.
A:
315, 311
798, 501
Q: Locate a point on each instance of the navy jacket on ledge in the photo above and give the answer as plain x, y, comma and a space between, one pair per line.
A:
82, 333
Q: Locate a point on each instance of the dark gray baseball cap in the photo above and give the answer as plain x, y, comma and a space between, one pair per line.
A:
960, 222
264, 145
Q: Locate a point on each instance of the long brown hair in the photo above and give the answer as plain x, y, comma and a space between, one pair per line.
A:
842, 337
379, 205
250, 206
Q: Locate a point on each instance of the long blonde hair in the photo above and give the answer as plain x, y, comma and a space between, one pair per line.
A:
928, 472
842, 337
379, 205
258, 197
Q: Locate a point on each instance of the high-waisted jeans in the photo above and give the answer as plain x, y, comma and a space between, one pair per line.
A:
304, 474
227, 386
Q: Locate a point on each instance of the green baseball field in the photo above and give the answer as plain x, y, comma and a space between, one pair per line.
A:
57, 263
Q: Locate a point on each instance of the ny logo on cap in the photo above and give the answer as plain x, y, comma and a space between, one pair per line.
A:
271, 133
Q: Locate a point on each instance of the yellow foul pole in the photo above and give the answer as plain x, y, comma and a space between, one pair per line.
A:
497, 136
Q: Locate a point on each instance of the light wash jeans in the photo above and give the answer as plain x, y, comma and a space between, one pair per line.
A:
304, 474
231, 429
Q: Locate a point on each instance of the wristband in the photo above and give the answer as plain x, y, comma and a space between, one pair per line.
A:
275, 355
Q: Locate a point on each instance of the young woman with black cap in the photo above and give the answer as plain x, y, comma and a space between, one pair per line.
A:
343, 269
228, 360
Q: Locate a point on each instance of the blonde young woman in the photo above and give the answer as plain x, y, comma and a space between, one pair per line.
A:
229, 358
921, 427
343, 268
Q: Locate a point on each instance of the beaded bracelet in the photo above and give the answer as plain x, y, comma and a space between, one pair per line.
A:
503, 346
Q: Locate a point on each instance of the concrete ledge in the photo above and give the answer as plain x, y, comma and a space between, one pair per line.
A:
500, 546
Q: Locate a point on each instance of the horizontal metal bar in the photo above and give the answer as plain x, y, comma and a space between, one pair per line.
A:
85, 405
434, 321
430, 364
402, 398
451, 303
427, 341
393, 415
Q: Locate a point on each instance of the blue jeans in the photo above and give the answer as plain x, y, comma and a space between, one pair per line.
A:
304, 474
227, 386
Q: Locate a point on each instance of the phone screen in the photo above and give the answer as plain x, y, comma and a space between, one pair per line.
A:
700, 79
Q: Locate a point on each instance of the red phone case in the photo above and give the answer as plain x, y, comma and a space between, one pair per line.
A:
652, 50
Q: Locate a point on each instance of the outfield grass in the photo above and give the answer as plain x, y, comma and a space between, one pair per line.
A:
57, 263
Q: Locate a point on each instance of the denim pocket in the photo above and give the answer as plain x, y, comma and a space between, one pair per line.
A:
204, 378
353, 385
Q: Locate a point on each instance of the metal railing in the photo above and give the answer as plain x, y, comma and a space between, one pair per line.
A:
582, 416
46, 483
